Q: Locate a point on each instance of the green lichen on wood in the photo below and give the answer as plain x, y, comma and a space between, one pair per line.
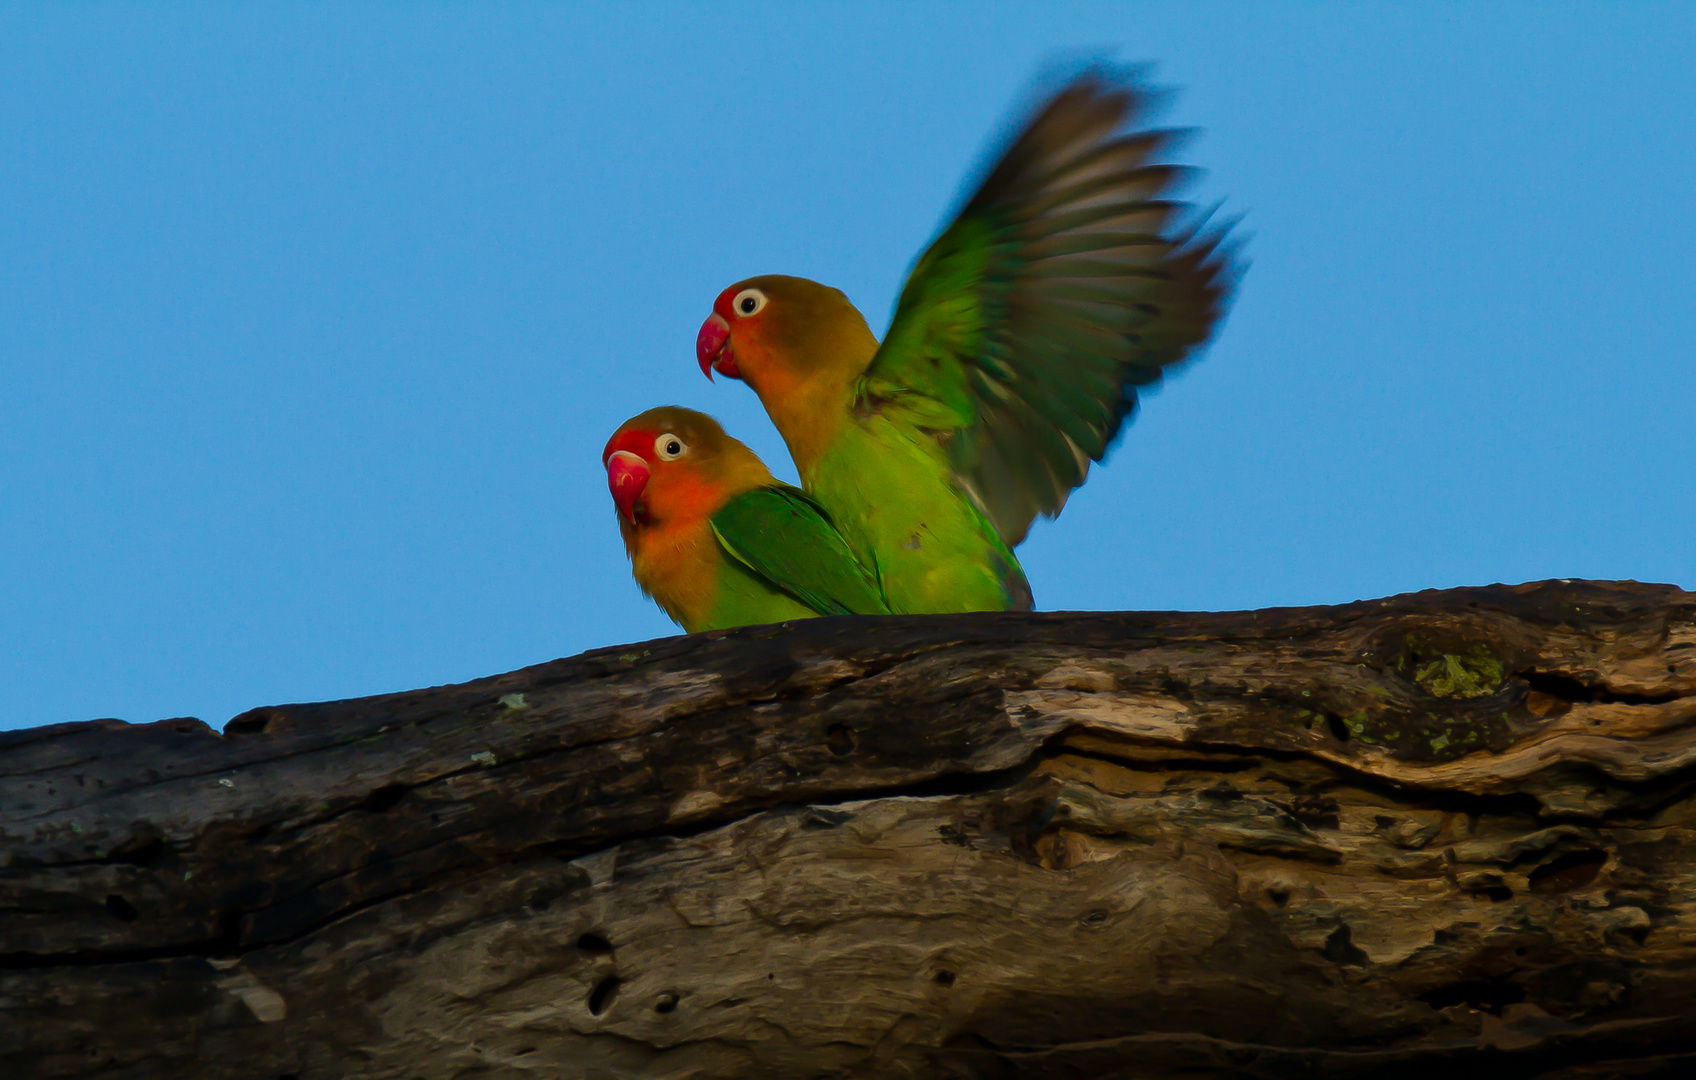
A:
1471, 672
1425, 736
1441, 695
1358, 727
1442, 711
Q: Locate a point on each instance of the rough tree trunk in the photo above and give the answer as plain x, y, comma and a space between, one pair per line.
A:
1444, 830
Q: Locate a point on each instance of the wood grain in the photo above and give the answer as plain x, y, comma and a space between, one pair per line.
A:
1449, 829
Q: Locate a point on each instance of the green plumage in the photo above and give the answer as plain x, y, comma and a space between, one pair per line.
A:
781, 536
1026, 327
715, 539
1015, 352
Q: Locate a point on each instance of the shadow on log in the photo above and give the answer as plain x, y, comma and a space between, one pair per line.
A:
1448, 830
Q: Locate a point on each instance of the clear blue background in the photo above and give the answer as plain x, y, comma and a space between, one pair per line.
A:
313, 319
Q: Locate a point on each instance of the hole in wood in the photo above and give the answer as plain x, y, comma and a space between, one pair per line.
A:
1339, 949
1545, 706
945, 978
592, 942
1573, 870
840, 739
1339, 730
383, 798
1566, 687
141, 850
226, 939
1316, 811
600, 998
1485, 995
121, 909
666, 1003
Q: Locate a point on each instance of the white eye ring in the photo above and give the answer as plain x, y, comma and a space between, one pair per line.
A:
748, 302
669, 447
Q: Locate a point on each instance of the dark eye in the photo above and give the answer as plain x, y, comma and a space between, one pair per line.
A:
748, 301
669, 447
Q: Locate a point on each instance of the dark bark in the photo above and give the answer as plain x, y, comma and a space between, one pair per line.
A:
1445, 830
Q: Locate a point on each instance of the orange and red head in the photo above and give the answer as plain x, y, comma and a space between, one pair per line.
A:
672, 467
799, 345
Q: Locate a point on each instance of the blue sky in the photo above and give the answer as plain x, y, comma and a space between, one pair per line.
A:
314, 318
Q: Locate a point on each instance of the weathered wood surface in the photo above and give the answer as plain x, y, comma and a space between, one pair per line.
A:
1451, 830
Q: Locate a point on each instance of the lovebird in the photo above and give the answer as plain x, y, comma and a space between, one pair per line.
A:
715, 539
1013, 358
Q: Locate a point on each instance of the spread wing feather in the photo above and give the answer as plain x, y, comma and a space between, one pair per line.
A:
1065, 283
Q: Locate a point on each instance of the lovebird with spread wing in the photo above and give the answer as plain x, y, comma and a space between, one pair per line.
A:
715, 539
1013, 359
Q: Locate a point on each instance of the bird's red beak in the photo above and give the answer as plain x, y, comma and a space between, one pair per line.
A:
627, 478
712, 348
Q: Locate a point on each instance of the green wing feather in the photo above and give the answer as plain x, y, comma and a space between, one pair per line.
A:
780, 533
1065, 283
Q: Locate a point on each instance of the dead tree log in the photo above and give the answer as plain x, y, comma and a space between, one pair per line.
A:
1451, 829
